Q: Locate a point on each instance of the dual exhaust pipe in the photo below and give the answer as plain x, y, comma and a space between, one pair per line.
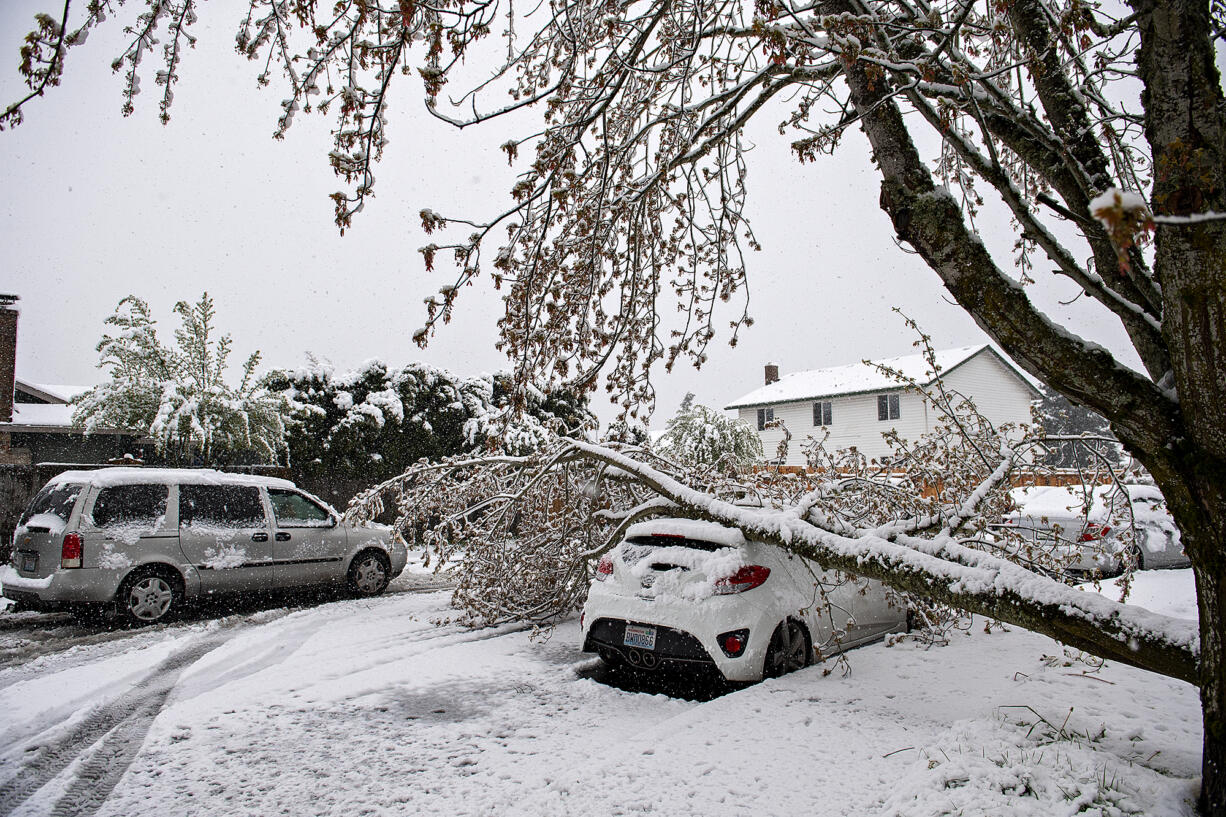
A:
641, 659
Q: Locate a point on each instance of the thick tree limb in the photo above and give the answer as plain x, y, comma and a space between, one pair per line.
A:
943, 570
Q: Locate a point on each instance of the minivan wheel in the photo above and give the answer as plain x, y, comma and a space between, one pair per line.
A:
148, 597
369, 573
788, 650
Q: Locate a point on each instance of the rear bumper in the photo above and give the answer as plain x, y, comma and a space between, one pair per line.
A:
32, 601
674, 648
62, 588
686, 632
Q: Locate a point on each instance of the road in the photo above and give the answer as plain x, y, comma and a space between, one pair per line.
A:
336, 706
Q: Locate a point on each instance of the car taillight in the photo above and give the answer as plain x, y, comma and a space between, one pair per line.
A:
733, 643
1093, 533
70, 551
604, 569
747, 578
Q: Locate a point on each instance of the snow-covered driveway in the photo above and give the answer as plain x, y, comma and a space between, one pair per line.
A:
368, 707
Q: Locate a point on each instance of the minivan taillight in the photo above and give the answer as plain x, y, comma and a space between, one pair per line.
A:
70, 551
604, 569
747, 578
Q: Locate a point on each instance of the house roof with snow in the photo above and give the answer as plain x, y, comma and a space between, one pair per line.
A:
864, 377
53, 414
50, 393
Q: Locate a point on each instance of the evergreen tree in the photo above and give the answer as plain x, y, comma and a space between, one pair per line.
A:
1060, 417
701, 436
179, 395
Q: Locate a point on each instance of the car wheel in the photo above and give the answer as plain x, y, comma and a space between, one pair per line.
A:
147, 597
788, 650
369, 573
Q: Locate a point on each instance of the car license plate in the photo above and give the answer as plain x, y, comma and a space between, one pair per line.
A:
29, 562
642, 637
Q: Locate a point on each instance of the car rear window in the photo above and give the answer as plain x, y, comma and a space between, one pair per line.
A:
57, 500
671, 541
220, 506
120, 505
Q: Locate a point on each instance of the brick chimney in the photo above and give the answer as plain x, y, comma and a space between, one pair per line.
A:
8, 355
772, 373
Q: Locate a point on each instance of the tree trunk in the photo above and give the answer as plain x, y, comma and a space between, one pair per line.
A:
1195, 490
1211, 601
1185, 125
1179, 433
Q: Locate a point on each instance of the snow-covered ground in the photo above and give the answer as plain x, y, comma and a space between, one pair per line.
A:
361, 707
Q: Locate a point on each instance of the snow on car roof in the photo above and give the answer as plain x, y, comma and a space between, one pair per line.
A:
104, 477
690, 529
1062, 502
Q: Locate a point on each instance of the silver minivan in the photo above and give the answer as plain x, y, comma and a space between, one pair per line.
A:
142, 541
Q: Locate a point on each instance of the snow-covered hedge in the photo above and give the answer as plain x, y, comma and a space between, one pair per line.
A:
367, 425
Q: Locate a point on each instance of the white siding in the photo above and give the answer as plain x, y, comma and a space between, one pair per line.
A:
853, 422
998, 393
996, 390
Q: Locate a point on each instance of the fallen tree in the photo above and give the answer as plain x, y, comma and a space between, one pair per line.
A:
635, 182
525, 531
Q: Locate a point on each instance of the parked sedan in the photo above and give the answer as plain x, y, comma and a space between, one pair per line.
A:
1118, 523
143, 541
685, 594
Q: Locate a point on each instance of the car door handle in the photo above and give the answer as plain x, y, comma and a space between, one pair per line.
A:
259, 537
282, 536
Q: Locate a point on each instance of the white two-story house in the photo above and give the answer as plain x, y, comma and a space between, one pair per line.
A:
858, 403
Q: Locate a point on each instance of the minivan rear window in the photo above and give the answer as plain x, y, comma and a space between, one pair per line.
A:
130, 504
57, 500
220, 506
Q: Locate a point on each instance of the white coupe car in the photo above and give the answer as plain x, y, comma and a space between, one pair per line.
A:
682, 593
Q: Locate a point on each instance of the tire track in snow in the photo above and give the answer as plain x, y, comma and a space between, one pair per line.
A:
17, 621
15, 658
33, 663
48, 635
114, 731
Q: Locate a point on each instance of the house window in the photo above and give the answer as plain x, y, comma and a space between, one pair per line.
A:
765, 415
887, 407
822, 414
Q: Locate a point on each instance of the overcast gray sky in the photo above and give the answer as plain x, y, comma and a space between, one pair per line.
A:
99, 206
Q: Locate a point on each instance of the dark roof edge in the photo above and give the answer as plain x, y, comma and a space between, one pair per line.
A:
834, 396
47, 428
54, 399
